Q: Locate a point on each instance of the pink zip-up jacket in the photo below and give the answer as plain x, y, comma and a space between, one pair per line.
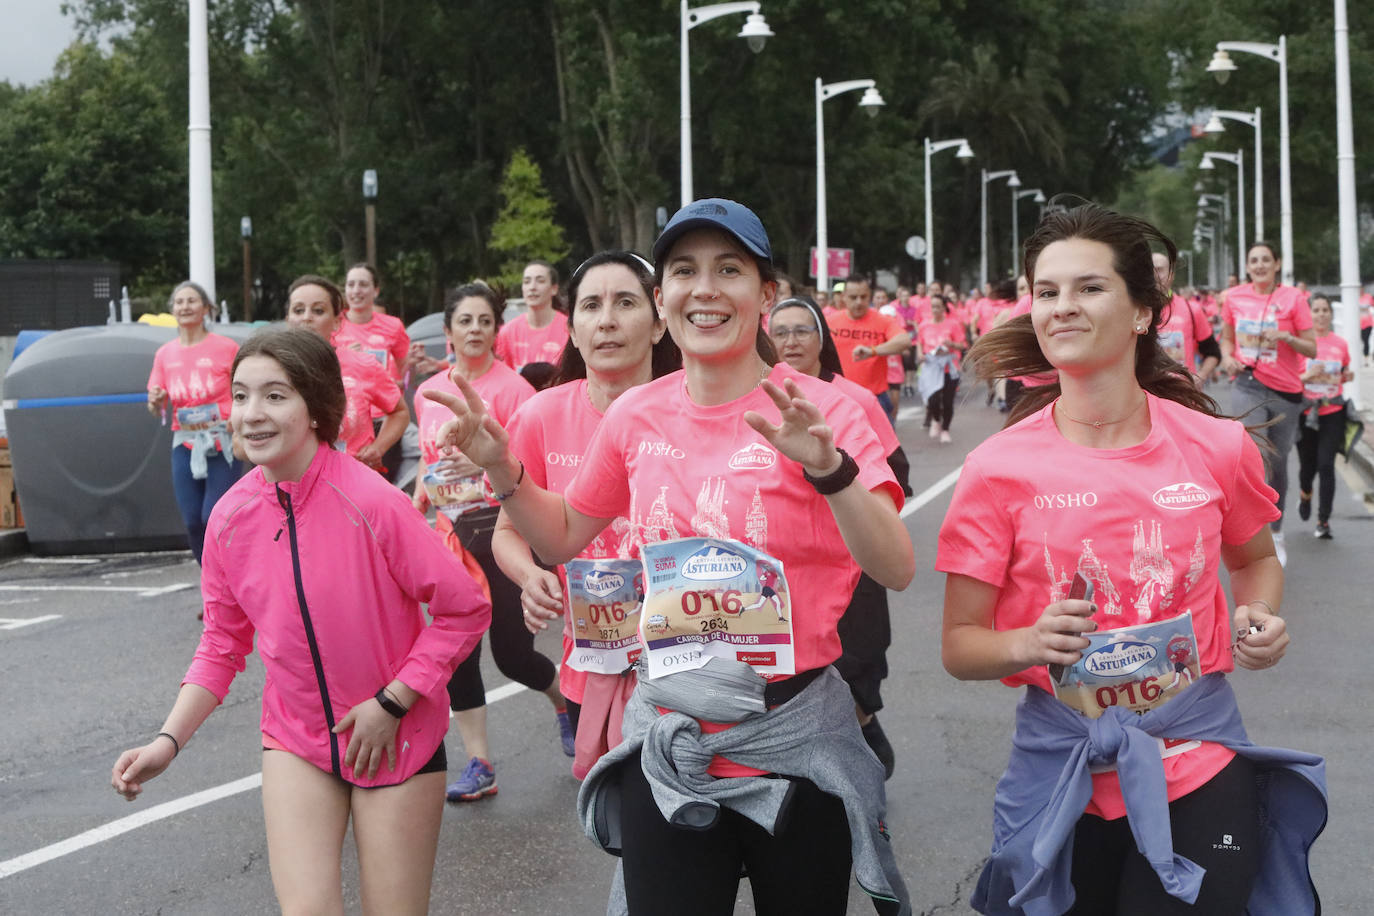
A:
330, 573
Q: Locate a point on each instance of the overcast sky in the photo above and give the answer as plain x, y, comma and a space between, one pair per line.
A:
35, 33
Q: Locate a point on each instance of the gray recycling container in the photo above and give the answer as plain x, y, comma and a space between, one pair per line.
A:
92, 467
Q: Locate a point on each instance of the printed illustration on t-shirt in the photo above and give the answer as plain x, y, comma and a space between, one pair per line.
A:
710, 519
1155, 583
658, 525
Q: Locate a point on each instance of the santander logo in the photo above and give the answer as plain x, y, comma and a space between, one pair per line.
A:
1181, 496
755, 456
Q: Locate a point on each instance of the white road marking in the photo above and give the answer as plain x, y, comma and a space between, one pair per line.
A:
70, 561
14, 623
930, 492
167, 809
141, 591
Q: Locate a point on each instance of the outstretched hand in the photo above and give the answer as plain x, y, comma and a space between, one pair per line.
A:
472, 431
803, 435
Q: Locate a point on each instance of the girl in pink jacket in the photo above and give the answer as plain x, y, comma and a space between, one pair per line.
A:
327, 565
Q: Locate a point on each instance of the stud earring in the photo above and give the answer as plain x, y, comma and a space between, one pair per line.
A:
314, 424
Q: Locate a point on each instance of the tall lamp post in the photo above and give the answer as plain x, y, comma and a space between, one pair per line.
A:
872, 100
370, 200
931, 149
1013, 182
1238, 160
246, 230
1016, 196
1222, 67
756, 32
1345, 184
200, 210
1203, 232
1222, 202
1214, 126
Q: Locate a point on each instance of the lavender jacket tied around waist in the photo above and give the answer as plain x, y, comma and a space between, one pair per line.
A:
1047, 785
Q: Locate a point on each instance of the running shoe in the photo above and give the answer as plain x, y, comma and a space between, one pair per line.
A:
1323, 531
477, 781
882, 748
1280, 550
944, 437
566, 735
1304, 506
935, 429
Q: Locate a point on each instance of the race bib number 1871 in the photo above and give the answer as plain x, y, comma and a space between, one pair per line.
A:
709, 597
604, 597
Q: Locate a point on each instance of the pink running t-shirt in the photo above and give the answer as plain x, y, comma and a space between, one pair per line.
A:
1284, 307
370, 391
195, 375
1181, 329
873, 411
1145, 524
1335, 352
676, 469
932, 334
518, 344
550, 434
383, 337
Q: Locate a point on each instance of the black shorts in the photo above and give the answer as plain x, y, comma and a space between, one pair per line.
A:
768, 592
436, 764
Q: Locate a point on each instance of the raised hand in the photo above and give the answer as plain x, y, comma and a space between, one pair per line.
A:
803, 435
472, 430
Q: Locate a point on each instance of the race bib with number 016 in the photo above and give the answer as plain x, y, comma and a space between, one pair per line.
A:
710, 597
604, 597
452, 495
1137, 667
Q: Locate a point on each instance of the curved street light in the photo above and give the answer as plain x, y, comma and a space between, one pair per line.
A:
1222, 67
964, 152
755, 31
1013, 182
872, 100
1214, 126
1016, 196
1238, 160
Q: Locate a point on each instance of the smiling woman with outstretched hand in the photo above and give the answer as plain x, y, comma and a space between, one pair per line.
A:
741, 479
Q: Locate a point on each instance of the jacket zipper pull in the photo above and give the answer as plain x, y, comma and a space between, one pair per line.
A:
278, 535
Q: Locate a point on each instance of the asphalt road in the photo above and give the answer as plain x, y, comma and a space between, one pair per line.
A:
92, 650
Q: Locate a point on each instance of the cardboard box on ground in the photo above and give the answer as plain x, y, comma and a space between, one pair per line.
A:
10, 516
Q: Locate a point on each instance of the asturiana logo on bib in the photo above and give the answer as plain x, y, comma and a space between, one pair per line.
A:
1186, 495
755, 456
713, 563
601, 583
1119, 658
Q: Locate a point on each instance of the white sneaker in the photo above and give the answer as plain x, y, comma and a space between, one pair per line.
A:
1279, 549
934, 429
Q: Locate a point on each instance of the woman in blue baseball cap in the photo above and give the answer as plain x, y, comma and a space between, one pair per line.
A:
736, 459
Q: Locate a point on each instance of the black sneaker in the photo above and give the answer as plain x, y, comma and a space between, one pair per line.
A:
1323, 531
877, 740
1304, 506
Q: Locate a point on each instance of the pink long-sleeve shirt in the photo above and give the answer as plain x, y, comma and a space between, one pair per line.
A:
332, 590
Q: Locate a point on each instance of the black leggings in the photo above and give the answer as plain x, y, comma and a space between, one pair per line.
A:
673, 870
511, 644
1216, 825
1317, 458
940, 406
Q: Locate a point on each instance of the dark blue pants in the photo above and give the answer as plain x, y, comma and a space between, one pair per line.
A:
195, 498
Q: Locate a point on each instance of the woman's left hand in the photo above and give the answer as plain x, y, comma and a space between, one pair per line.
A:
804, 436
374, 737
1257, 651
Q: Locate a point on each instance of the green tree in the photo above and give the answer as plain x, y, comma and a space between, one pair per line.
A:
525, 229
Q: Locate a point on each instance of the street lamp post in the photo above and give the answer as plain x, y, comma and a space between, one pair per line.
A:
1222, 66
1203, 232
370, 198
246, 230
1016, 196
1214, 126
200, 209
872, 100
756, 32
1345, 183
1238, 160
932, 149
1188, 253
1012, 181
1222, 202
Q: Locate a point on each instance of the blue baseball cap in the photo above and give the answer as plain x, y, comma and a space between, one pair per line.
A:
734, 219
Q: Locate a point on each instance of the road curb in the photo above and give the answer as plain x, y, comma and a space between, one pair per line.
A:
1361, 457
